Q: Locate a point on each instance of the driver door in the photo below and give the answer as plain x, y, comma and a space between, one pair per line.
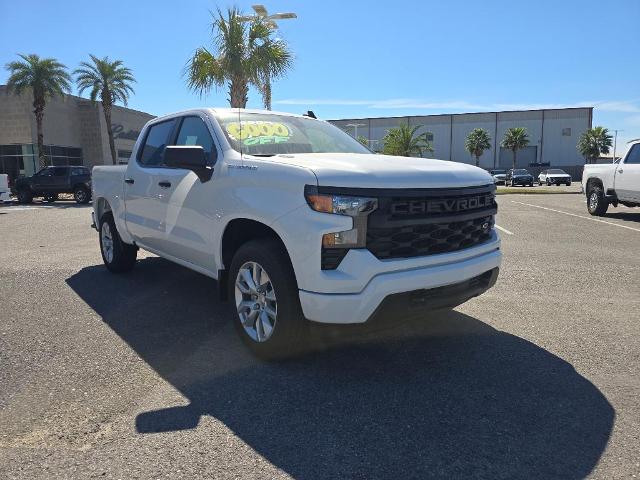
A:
627, 180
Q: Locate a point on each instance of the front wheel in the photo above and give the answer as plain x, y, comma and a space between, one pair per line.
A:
117, 256
568, 184
548, 183
597, 204
25, 196
81, 195
268, 315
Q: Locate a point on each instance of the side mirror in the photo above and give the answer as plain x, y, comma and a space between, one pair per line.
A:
188, 157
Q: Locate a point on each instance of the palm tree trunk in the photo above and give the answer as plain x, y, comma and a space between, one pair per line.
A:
112, 145
238, 93
266, 94
515, 153
477, 161
38, 110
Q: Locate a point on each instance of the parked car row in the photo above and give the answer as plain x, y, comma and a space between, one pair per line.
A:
521, 176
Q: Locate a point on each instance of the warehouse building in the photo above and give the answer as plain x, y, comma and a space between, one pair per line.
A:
553, 136
75, 133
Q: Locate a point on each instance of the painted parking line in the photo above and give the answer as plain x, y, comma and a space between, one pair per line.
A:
579, 216
503, 230
18, 209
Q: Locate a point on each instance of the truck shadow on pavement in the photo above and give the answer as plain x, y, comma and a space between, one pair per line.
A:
448, 396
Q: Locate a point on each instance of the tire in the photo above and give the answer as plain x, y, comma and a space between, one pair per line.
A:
117, 256
282, 333
568, 184
82, 195
25, 196
51, 197
597, 203
548, 183
539, 183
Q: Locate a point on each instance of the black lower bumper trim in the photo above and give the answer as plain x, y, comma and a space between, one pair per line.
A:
418, 302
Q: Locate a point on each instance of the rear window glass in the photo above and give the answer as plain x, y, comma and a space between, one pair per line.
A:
155, 143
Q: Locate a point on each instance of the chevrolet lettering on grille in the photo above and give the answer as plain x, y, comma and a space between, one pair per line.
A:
441, 205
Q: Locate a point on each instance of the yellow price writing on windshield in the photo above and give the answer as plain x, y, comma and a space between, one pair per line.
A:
246, 130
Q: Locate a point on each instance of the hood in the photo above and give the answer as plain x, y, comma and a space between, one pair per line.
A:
384, 171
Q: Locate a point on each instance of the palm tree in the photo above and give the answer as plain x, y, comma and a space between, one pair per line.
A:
404, 142
594, 142
477, 142
246, 54
363, 140
45, 78
515, 139
109, 80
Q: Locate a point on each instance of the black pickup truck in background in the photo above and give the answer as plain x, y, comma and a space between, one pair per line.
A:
52, 181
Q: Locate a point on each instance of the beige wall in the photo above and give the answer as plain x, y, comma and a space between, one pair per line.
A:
69, 122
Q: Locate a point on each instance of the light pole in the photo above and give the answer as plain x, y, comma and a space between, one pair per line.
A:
615, 141
355, 128
270, 21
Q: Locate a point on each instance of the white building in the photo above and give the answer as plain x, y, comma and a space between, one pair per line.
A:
553, 136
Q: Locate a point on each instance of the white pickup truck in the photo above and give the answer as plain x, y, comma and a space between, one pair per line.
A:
297, 221
613, 183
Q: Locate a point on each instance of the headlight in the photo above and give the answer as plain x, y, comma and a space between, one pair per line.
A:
357, 208
341, 205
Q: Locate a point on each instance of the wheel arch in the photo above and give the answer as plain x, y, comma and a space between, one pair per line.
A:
102, 206
236, 233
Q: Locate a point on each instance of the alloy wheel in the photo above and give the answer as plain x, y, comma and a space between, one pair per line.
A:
107, 242
256, 301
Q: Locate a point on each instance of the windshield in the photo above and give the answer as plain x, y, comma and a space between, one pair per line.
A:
270, 134
557, 171
520, 171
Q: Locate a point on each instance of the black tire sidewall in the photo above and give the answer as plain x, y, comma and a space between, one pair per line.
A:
124, 255
287, 338
24, 196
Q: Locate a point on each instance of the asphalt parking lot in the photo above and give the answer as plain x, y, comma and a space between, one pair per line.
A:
142, 376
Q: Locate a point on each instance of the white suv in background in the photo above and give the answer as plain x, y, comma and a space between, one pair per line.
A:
554, 176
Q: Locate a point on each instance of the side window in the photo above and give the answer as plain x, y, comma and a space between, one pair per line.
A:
634, 155
193, 131
45, 172
155, 141
60, 172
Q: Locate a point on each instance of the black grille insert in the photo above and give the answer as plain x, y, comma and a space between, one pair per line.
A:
430, 222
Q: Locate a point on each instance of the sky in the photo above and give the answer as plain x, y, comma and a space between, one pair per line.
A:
366, 58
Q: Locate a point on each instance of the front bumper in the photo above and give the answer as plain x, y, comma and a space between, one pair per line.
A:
521, 181
460, 276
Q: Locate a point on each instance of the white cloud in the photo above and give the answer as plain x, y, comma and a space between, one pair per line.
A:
626, 106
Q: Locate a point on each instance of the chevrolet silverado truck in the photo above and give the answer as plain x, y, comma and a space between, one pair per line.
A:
298, 222
613, 183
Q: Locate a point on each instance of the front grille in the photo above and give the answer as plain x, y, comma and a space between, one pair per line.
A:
427, 222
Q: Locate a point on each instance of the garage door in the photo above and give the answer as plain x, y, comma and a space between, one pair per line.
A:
524, 157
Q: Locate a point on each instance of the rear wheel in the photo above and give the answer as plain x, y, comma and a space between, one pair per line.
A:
25, 196
117, 256
597, 204
568, 184
268, 314
81, 195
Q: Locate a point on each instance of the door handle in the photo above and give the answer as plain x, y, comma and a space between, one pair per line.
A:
164, 184
130, 181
